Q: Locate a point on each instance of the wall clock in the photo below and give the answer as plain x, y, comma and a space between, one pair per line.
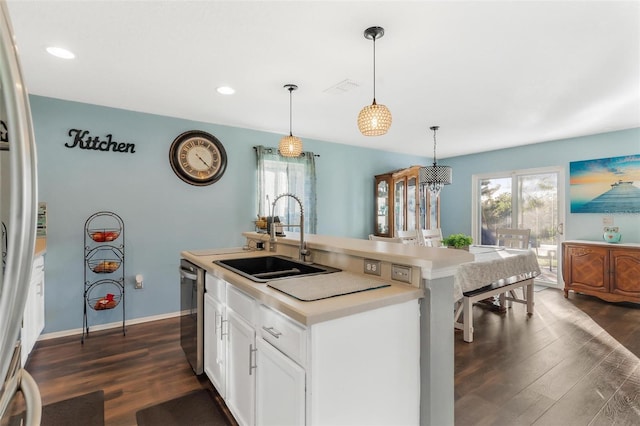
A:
198, 158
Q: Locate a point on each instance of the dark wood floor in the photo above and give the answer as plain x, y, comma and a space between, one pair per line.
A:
141, 369
574, 362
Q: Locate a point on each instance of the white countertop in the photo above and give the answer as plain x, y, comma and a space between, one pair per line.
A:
428, 259
306, 313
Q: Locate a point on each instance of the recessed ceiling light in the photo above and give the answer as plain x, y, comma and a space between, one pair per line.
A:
226, 90
60, 52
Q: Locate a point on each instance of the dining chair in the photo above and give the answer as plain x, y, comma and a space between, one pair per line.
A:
513, 238
432, 237
386, 239
410, 237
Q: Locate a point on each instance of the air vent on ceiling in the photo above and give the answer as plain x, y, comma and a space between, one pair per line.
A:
342, 87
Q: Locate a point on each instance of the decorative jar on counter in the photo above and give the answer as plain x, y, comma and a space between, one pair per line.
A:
611, 234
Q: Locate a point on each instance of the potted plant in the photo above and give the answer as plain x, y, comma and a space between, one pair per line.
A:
458, 241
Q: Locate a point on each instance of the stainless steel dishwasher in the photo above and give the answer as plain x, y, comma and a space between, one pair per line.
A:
192, 314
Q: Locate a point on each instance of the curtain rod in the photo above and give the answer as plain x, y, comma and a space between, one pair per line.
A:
255, 148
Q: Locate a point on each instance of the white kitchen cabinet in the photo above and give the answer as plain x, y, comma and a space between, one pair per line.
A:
241, 356
215, 343
360, 369
280, 388
33, 317
241, 388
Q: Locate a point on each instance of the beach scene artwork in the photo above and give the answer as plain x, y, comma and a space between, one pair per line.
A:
606, 185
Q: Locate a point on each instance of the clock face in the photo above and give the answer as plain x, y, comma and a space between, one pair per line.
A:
198, 158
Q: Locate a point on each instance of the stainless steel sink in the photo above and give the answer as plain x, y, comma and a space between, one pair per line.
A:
269, 268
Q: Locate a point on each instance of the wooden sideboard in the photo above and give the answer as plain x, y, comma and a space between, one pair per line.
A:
608, 271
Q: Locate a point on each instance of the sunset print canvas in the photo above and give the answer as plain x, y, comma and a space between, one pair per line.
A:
606, 185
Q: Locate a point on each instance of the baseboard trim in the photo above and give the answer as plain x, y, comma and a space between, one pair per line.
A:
78, 331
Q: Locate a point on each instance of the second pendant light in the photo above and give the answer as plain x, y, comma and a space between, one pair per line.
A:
374, 119
290, 146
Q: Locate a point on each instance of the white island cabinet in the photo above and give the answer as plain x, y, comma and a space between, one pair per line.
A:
215, 344
357, 369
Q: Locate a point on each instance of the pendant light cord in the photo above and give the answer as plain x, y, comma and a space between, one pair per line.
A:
374, 69
435, 129
290, 110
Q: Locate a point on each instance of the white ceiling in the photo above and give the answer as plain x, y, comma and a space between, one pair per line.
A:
491, 74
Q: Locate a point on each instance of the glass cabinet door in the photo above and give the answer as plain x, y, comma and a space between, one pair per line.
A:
433, 211
382, 207
399, 211
412, 203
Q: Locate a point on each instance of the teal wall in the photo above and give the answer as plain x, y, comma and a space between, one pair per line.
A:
163, 215
456, 198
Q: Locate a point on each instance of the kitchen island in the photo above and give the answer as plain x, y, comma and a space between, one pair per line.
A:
376, 356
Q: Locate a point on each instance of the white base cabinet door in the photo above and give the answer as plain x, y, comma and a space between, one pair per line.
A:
361, 369
215, 343
33, 316
280, 383
241, 361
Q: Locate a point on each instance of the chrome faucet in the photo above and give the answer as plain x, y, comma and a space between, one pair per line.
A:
303, 252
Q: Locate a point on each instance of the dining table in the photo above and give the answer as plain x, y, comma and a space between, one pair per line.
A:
495, 270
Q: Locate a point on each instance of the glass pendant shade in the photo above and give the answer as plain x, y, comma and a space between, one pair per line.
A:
374, 119
290, 146
435, 177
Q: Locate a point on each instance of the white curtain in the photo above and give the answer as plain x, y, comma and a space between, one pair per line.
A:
279, 175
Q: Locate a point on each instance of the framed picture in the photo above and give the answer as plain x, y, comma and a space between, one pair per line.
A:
606, 185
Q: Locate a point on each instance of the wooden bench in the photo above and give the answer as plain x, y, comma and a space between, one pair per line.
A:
506, 291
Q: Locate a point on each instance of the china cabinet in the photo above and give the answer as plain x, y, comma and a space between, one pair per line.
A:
402, 203
608, 271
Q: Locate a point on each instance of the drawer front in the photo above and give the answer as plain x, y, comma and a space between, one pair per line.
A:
284, 334
242, 304
215, 287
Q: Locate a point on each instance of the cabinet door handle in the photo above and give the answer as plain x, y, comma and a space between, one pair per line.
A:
272, 331
251, 352
216, 324
222, 333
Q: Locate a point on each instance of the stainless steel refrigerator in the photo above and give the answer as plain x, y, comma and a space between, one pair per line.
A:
18, 208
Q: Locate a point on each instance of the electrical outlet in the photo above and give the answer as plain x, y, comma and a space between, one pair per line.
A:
372, 267
401, 273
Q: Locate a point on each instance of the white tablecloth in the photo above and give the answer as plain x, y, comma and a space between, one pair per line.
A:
493, 264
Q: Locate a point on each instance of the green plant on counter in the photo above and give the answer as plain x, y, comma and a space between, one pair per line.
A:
457, 240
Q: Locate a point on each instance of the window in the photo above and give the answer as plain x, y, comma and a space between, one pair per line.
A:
531, 199
280, 175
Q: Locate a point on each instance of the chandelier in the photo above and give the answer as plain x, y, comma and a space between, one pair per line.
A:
435, 177
290, 146
374, 119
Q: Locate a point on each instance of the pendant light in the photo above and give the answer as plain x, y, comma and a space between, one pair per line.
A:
374, 119
290, 146
435, 177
